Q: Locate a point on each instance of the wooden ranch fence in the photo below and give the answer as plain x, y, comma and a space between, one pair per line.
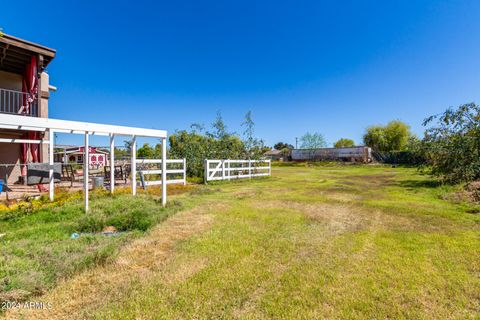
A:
236, 169
176, 167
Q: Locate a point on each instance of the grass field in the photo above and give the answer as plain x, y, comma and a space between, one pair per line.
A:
342, 242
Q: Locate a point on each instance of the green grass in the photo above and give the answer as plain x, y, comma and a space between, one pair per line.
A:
37, 250
321, 242
312, 241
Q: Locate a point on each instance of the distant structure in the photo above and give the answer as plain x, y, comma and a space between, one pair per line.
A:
98, 158
351, 154
274, 154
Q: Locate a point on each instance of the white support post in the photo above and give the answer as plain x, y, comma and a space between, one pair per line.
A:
164, 171
249, 169
51, 179
112, 163
223, 169
86, 156
184, 171
134, 164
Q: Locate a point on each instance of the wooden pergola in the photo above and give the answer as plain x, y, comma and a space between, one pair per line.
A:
18, 122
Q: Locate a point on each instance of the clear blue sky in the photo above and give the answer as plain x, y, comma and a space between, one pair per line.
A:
334, 67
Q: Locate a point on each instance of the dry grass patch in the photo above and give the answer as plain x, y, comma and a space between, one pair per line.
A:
78, 297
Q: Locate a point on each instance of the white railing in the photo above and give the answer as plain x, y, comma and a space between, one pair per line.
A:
236, 169
153, 167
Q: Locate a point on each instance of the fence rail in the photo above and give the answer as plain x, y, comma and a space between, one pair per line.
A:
19, 103
150, 167
216, 169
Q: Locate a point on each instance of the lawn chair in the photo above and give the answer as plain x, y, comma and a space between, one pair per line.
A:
120, 173
70, 174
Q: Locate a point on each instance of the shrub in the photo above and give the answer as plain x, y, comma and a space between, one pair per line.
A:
452, 144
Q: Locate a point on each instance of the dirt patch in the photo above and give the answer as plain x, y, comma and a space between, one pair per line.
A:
370, 181
78, 297
338, 218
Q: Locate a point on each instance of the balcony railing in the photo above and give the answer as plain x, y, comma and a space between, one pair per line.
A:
19, 103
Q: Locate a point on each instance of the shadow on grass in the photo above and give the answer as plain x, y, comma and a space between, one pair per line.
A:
413, 184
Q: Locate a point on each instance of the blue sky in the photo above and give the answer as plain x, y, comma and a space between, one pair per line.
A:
333, 67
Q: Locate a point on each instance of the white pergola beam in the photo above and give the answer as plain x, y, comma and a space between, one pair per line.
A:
14, 140
8, 121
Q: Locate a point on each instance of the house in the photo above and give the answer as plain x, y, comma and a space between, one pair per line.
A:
275, 154
24, 90
98, 158
352, 154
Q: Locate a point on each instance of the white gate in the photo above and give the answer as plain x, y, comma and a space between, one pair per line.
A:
236, 169
151, 167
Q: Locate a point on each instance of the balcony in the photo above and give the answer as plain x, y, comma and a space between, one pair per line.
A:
18, 103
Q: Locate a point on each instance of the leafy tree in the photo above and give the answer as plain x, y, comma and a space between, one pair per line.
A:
312, 141
452, 144
344, 143
283, 145
146, 152
392, 137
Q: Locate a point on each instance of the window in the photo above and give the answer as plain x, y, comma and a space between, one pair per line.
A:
79, 159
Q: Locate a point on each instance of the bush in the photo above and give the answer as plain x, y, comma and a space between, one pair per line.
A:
452, 145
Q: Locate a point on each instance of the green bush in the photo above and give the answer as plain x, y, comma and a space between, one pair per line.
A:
452, 145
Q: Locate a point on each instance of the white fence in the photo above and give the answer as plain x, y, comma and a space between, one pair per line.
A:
153, 167
236, 169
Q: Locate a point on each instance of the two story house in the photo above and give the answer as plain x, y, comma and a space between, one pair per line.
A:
24, 90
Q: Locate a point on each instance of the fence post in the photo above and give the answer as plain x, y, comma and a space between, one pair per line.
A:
223, 169
205, 174
184, 171
229, 171
249, 169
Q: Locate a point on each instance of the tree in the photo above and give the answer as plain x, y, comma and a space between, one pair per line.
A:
254, 147
248, 133
344, 143
146, 152
219, 128
282, 145
452, 145
392, 137
312, 141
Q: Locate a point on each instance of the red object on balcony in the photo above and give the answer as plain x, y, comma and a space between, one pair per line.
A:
29, 86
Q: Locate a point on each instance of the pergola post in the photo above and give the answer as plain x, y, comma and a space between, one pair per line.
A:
134, 164
51, 179
112, 163
86, 157
164, 171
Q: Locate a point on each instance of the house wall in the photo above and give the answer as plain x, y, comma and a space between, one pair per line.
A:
11, 81
43, 110
10, 154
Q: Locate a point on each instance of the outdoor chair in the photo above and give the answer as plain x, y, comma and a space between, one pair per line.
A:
70, 174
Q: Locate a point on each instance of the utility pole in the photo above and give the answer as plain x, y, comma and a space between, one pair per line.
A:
296, 142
